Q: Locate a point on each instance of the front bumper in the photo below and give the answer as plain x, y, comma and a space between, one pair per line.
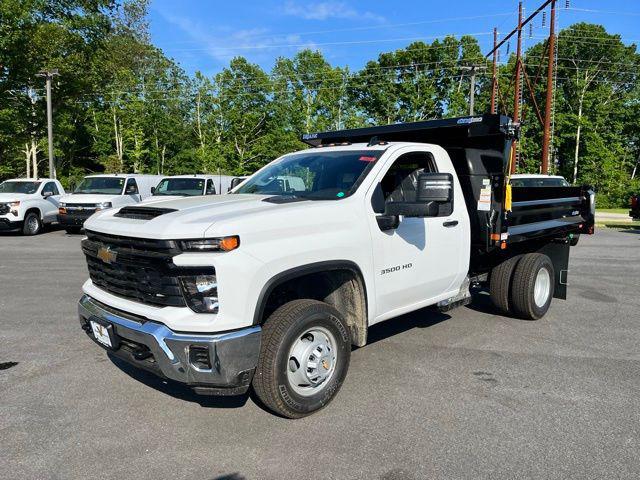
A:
7, 225
75, 218
232, 356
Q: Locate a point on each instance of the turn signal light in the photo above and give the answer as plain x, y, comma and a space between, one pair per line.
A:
62, 211
229, 243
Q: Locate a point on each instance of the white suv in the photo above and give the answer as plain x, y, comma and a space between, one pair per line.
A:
27, 204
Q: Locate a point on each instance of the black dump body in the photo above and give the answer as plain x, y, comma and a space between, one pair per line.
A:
479, 147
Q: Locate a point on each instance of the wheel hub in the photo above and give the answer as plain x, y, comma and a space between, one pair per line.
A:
32, 223
542, 287
312, 361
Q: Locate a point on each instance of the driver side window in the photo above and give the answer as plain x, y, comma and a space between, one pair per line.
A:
50, 188
400, 182
211, 189
131, 188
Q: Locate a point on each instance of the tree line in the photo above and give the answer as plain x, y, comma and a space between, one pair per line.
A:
121, 105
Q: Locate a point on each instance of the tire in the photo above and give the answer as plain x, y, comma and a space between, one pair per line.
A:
533, 285
574, 240
32, 224
299, 334
72, 230
500, 284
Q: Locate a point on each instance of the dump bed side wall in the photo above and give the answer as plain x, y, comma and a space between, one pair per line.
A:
548, 211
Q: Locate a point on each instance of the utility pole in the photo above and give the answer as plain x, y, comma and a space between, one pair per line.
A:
472, 93
517, 95
494, 82
516, 91
49, 74
546, 147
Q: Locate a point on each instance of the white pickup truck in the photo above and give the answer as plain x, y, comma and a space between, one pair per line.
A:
100, 192
26, 204
270, 286
179, 186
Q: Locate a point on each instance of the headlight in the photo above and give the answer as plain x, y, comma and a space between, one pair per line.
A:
201, 293
224, 244
62, 204
14, 207
103, 205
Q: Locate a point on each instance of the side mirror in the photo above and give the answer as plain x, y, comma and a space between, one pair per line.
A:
433, 190
235, 182
130, 190
435, 187
47, 194
153, 190
412, 209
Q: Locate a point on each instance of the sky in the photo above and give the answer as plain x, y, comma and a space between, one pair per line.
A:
204, 35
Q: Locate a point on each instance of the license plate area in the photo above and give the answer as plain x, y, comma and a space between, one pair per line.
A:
103, 333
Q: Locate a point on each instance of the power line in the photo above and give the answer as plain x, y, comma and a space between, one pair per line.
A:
351, 42
373, 27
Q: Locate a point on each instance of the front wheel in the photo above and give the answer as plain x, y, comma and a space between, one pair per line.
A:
304, 358
32, 224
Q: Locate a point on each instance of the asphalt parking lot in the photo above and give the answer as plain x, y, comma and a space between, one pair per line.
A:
467, 394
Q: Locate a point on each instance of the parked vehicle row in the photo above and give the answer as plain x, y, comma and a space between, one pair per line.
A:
270, 286
28, 204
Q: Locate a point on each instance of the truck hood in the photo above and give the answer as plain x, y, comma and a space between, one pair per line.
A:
86, 199
192, 217
14, 197
160, 198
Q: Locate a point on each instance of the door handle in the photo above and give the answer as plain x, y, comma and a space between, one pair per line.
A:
450, 223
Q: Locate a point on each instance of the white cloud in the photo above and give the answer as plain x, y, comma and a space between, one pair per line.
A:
223, 43
328, 10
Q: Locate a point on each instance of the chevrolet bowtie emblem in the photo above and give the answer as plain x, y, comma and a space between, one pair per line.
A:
106, 255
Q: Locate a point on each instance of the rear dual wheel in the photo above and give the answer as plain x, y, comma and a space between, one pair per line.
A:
523, 285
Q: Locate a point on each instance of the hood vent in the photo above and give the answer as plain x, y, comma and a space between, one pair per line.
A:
143, 213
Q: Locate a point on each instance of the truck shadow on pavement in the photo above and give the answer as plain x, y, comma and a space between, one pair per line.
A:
481, 302
423, 318
178, 390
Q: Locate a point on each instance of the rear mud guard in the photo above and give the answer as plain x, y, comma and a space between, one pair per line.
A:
558, 252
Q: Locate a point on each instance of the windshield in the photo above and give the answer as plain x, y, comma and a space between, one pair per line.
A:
187, 187
317, 174
101, 185
19, 187
539, 182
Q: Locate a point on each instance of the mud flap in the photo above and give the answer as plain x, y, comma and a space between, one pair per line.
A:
558, 252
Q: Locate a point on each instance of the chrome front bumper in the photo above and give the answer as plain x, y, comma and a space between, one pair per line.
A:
152, 346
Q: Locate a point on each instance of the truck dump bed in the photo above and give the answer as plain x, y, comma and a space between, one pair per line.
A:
480, 148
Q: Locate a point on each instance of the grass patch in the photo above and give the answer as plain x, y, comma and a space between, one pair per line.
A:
626, 225
612, 210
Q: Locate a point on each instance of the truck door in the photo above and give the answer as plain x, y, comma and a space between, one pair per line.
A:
51, 196
420, 259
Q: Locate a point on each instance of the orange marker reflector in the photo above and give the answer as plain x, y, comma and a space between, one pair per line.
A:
495, 237
503, 246
230, 243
